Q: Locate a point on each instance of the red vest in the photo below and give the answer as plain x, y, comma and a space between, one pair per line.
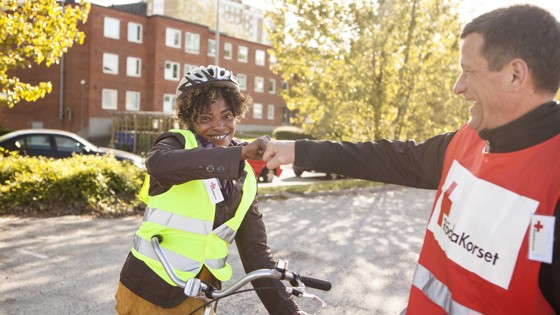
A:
475, 254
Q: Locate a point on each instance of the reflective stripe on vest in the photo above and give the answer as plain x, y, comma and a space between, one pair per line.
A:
179, 262
438, 292
177, 222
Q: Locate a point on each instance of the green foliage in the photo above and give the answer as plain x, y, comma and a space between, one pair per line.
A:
33, 33
290, 133
83, 184
371, 69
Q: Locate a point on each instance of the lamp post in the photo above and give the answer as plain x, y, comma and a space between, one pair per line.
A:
82, 85
217, 57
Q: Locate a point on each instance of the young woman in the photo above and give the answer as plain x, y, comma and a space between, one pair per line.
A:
201, 196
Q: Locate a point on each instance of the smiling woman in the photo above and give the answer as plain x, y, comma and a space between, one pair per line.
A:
201, 196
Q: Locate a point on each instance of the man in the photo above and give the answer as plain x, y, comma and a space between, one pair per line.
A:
489, 244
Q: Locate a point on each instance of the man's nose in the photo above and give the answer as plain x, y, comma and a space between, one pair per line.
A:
459, 86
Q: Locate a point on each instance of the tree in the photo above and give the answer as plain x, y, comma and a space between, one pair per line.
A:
362, 70
32, 33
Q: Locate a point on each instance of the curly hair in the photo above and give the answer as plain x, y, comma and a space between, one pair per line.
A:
191, 104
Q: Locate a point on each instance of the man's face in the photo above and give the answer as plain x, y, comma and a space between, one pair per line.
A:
488, 90
217, 125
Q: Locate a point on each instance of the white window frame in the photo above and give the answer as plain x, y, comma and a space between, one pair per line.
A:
109, 99
192, 43
188, 68
243, 54
171, 71
110, 63
132, 101
228, 51
257, 111
172, 37
168, 103
270, 112
259, 84
242, 79
211, 47
133, 67
260, 57
111, 27
135, 32
271, 86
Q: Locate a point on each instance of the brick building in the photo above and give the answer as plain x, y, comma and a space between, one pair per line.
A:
132, 63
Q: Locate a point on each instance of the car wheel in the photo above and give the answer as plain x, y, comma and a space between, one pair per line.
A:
298, 172
267, 175
332, 176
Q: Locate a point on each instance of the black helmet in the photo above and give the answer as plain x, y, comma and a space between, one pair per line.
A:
207, 75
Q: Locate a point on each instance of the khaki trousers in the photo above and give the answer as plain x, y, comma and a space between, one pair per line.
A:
128, 303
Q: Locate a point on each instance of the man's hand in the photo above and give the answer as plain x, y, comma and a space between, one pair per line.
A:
255, 149
279, 153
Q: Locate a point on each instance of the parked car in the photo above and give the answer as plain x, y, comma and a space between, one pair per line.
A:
262, 173
59, 144
299, 171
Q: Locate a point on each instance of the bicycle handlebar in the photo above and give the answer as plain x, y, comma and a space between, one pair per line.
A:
196, 288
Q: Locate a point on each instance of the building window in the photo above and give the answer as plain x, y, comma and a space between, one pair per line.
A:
260, 56
192, 43
242, 54
133, 66
111, 28
168, 103
242, 81
271, 86
212, 47
109, 99
257, 111
134, 32
132, 100
285, 86
228, 51
171, 71
172, 38
110, 63
270, 112
188, 68
259, 84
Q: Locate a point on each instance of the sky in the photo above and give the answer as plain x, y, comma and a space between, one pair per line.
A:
470, 8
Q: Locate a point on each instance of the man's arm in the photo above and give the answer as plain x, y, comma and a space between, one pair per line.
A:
397, 162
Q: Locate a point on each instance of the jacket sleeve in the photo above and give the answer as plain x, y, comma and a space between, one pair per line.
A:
404, 163
168, 163
256, 254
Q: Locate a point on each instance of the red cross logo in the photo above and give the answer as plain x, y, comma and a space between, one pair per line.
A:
538, 226
446, 203
212, 185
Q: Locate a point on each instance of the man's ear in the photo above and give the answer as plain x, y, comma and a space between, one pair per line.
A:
520, 74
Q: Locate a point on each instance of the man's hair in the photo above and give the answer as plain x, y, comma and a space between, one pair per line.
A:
193, 103
521, 31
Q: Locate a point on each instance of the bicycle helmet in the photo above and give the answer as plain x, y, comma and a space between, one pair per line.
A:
207, 75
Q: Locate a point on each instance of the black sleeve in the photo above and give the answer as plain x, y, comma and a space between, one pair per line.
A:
255, 254
168, 163
549, 274
404, 163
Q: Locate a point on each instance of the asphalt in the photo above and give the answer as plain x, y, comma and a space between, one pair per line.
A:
366, 242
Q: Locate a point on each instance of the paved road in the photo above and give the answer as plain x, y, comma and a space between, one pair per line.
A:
365, 243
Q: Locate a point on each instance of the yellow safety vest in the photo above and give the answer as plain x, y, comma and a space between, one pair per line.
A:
184, 217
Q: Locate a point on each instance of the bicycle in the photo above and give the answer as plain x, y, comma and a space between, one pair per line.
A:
195, 288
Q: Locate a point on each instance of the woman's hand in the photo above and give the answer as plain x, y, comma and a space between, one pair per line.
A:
255, 149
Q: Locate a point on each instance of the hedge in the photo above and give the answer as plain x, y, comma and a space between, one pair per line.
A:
289, 133
80, 185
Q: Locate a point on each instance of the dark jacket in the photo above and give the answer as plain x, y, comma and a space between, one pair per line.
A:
420, 165
169, 164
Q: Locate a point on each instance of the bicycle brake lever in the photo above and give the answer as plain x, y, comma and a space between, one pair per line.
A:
303, 294
195, 288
